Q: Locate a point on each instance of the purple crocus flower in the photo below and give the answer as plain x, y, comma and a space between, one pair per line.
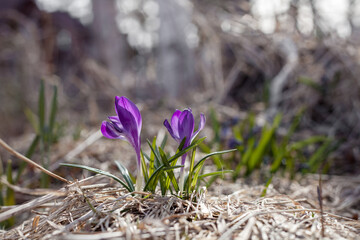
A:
182, 125
126, 126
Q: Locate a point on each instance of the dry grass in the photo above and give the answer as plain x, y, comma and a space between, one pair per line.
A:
95, 209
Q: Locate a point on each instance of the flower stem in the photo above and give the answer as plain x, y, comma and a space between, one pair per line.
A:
182, 173
139, 178
181, 180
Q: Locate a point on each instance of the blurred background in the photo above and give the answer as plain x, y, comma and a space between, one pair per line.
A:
260, 56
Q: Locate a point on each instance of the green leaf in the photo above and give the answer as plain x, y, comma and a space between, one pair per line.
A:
150, 185
172, 167
264, 143
249, 151
98, 171
171, 176
320, 155
125, 173
198, 164
143, 166
53, 114
182, 152
204, 148
294, 124
215, 173
33, 119
193, 173
277, 162
163, 183
163, 142
154, 151
301, 144
181, 145
10, 193
152, 157
263, 194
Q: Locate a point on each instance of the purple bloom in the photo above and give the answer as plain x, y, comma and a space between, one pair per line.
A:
182, 125
126, 125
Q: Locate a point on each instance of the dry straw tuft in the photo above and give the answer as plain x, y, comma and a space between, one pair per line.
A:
101, 211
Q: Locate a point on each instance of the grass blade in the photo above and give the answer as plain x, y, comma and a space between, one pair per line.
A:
152, 157
163, 142
151, 183
192, 178
10, 193
211, 154
125, 173
320, 155
263, 194
266, 137
214, 173
171, 176
182, 152
311, 140
53, 112
33, 119
143, 166
99, 171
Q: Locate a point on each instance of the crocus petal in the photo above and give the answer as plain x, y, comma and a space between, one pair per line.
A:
109, 131
186, 126
170, 129
175, 123
123, 102
116, 123
130, 127
114, 119
201, 126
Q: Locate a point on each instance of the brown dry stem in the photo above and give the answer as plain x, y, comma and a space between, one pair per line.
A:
29, 161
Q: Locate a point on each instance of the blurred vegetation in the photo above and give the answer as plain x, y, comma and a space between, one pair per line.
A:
264, 149
47, 133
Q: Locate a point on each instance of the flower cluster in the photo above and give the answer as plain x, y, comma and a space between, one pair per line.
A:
158, 171
128, 122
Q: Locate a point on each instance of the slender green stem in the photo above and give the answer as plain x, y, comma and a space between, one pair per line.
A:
139, 178
181, 180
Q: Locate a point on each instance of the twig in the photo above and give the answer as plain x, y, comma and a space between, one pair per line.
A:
39, 201
28, 191
29, 161
29, 205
